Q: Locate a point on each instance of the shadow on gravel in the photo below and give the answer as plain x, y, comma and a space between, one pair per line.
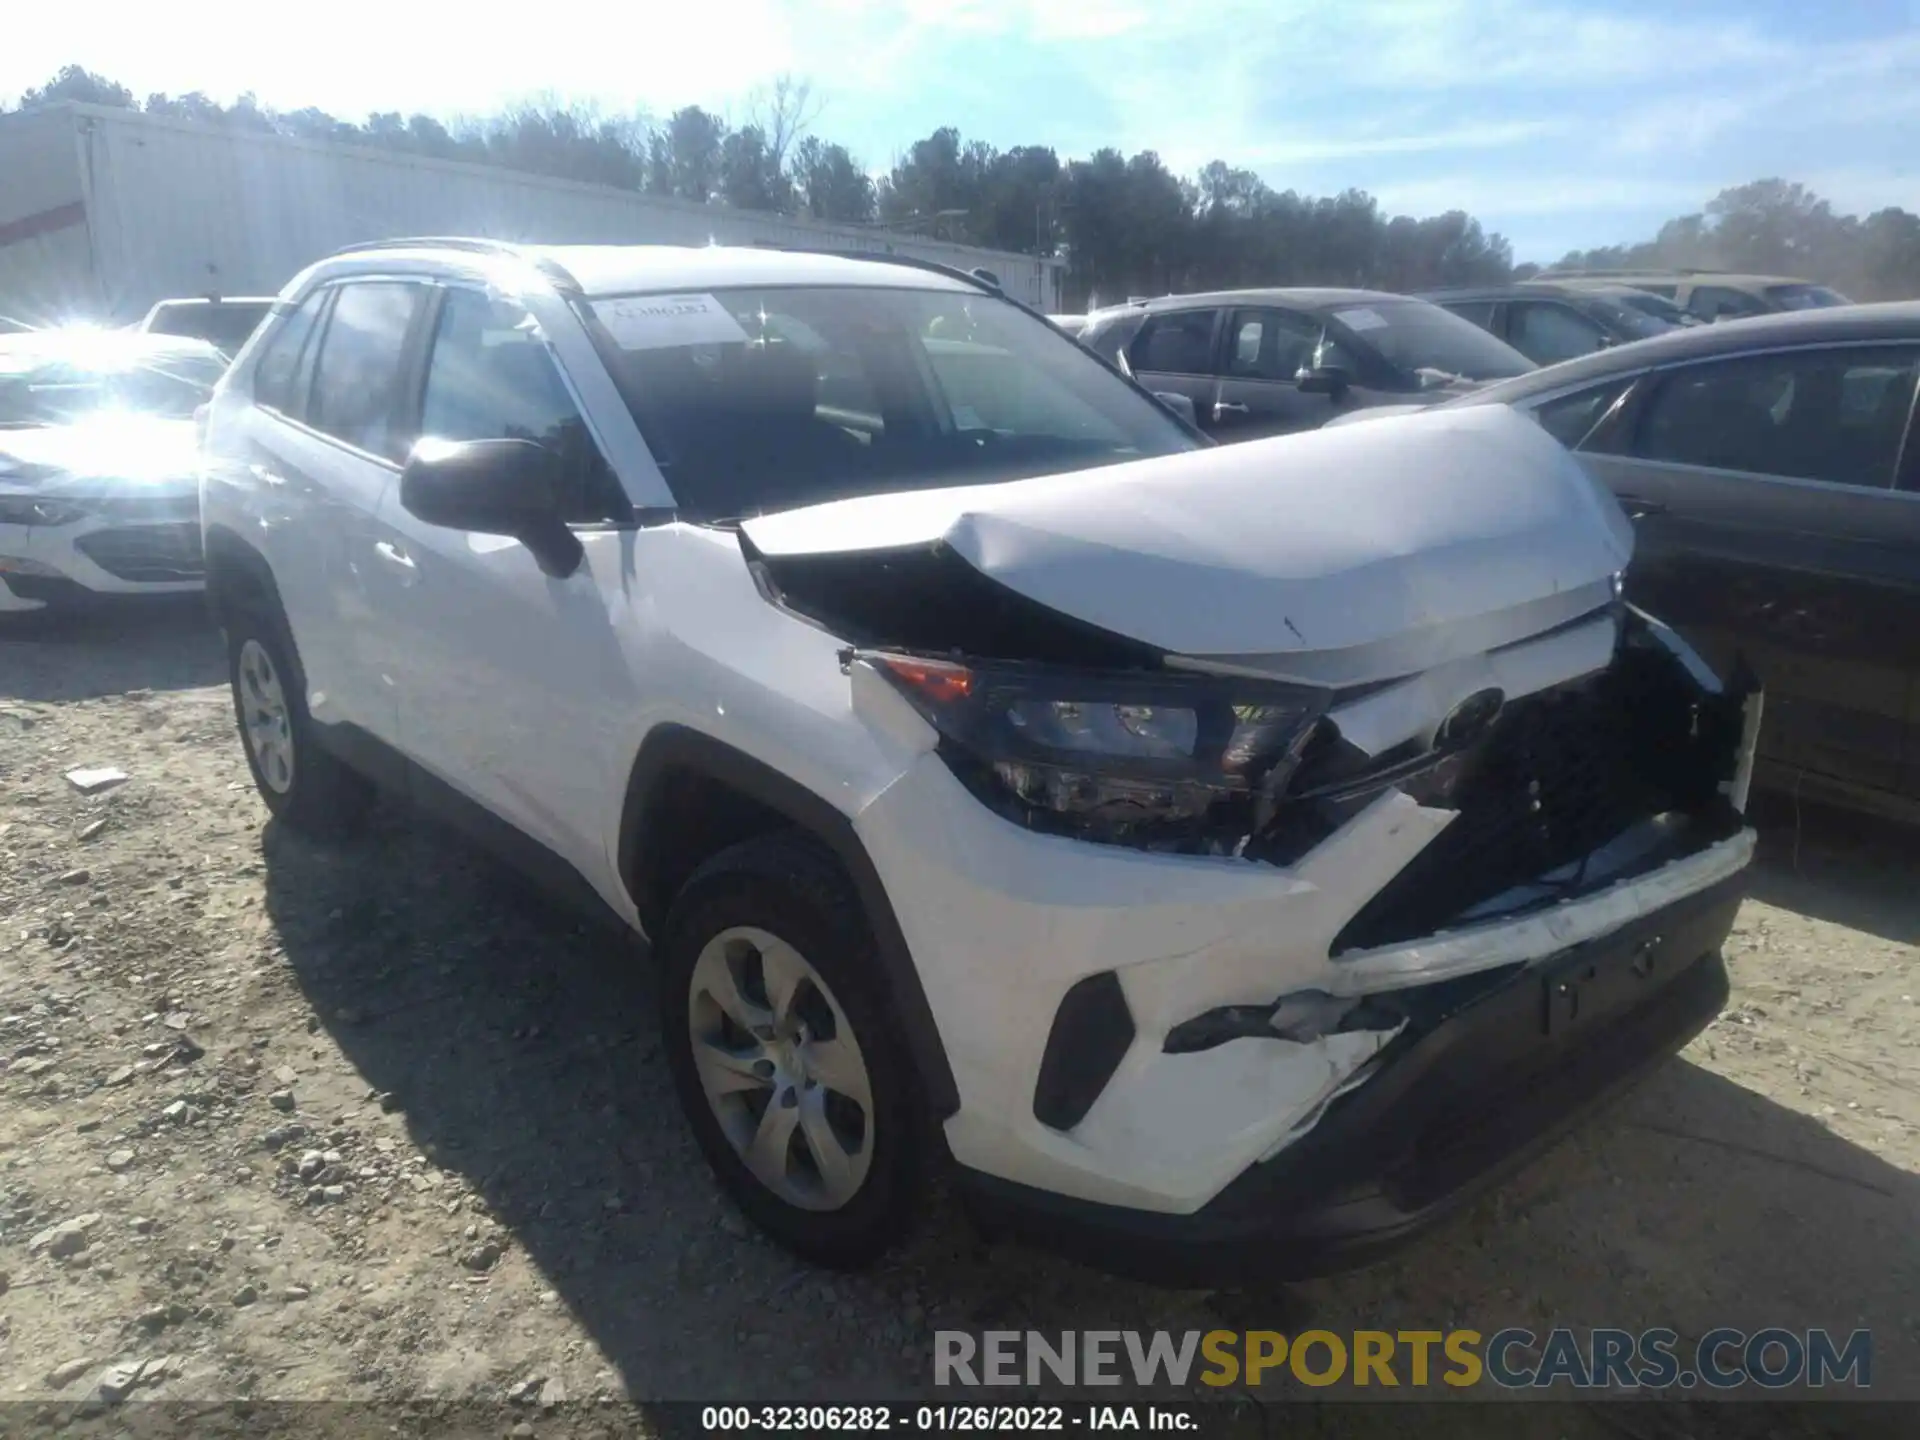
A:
522, 1048
1853, 870
160, 643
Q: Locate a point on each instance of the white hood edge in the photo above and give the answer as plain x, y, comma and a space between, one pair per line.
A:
1339, 556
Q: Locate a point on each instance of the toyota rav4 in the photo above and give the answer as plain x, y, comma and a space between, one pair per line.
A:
1225, 859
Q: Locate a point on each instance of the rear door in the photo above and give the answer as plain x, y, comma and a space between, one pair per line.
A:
334, 468
1770, 524
313, 488
1259, 392
1173, 353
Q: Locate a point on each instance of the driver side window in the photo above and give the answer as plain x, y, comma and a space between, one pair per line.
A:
490, 378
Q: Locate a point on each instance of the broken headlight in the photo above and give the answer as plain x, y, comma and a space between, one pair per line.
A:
1176, 762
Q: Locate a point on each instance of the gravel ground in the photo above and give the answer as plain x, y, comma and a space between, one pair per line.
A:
292, 1122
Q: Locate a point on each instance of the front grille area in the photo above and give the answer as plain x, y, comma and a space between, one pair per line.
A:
1558, 776
150, 554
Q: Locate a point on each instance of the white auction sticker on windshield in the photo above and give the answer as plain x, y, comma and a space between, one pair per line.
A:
655, 322
1361, 319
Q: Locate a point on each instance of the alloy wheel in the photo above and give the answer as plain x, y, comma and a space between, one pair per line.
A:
781, 1068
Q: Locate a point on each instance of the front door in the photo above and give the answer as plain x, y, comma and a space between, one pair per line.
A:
1173, 354
1770, 524
515, 692
1259, 392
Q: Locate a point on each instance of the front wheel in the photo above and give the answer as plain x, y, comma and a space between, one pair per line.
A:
784, 1053
302, 784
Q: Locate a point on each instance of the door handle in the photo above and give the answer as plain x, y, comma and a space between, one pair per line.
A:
394, 555
1636, 507
1229, 407
266, 476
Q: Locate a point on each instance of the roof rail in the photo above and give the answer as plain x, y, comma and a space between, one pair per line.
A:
983, 279
434, 242
1568, 272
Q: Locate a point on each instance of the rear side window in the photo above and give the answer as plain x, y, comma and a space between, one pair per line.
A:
490, 377
1177, 344
1805, 297
356, 380
277, 372
1546, 334
1717, 302
1480, 312
1832, 415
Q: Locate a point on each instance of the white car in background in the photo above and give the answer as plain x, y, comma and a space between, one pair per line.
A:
99, 477
224, 322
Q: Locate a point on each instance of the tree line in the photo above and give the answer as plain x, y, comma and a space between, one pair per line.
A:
1125, 225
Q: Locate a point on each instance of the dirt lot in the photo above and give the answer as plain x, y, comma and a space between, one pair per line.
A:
372, 1123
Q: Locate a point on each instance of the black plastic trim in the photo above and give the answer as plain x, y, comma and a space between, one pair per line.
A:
671, 749
1091, 1033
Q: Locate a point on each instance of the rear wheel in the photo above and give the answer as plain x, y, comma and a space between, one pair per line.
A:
302, 784
785, 1054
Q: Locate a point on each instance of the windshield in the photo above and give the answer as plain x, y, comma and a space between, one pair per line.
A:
1417, 337
225, 324
1805, 297
758, 400
57, 383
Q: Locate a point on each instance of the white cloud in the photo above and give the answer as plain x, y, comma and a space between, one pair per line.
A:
1492, 136
1532, 196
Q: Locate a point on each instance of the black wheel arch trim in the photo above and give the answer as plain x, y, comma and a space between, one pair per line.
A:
674, 749
230, 554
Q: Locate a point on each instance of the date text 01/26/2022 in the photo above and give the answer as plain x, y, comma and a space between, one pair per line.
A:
979, 1419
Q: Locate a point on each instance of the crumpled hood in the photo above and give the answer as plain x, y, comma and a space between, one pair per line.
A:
101, 454
1337, 557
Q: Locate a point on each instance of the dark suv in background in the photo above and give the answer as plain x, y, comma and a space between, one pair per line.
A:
1713, 294
1772, 469
1551, 322
1268, 362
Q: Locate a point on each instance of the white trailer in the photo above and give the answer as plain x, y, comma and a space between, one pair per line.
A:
104, 211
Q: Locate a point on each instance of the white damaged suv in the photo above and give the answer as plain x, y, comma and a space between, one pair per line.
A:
1226, 859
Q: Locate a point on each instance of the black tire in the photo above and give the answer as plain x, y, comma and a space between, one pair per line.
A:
789, 886
321, 796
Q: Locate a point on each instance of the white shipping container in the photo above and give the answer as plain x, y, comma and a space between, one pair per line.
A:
105, 211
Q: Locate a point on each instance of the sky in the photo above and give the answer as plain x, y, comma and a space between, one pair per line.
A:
1557, 123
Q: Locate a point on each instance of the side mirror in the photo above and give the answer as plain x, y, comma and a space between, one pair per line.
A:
1181, 405
494, 487
1328, 380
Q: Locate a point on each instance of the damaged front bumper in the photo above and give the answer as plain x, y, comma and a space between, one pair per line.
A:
1141, 1040
1486, 1071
